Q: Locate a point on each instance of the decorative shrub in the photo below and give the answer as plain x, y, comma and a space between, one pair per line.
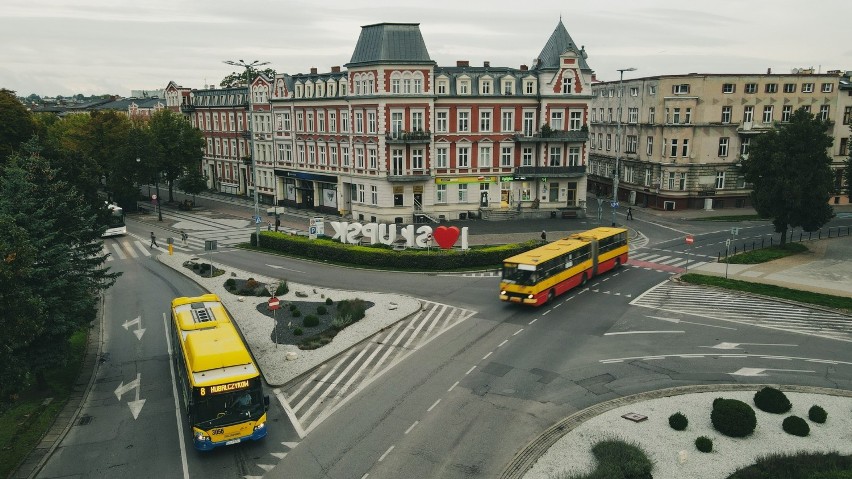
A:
678, 421
772, 400
246, 292
297, 332
796, 426
296, 313
311, 321
328, 301
704, 444
321, 310
354, 309
817, 414
733, 418
293, 307
251, 283
282, 289
340, 322
231, 283
263, 292
716, 401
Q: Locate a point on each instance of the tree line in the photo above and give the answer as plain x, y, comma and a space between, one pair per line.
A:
55, 176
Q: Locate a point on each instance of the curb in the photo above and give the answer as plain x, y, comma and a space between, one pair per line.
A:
529, 455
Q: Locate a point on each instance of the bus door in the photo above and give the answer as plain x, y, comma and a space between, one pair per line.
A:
594, 251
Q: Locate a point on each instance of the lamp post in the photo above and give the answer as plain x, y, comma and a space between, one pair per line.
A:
618, 140
248, 67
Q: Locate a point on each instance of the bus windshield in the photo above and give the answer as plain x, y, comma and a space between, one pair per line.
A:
513, 274
228, 408
115, 221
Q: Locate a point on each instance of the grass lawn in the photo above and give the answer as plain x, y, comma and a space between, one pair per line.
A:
818, 299
766, 254
24, 422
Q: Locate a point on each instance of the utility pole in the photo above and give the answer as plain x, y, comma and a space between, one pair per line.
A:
618, 140
248, 67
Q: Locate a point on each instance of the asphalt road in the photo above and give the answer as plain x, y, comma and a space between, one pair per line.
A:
463, 405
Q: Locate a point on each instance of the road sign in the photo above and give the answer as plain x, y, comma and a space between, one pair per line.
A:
257, 220
735, 231
689, 239
273, 303
614, 204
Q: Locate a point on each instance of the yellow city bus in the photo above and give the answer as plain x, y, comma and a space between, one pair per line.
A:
218, 379
538, 276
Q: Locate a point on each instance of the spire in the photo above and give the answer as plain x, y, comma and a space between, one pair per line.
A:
558, 42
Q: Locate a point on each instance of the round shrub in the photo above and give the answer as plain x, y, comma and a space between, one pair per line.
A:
310, 321
817, 414
293, 307
328, 301
296, 313
678, 421
796, 426
704, 444
733, 418
321, 310
297, 332
230, 283
716, 401
772, 400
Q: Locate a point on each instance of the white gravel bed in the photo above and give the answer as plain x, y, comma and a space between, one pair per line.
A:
663, 445
277, 366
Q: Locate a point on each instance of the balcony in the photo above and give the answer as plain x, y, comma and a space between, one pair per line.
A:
401, 176
187, 108
246, 134
409, 137
554, 136
550, 171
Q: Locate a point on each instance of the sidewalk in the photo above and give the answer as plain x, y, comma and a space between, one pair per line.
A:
826, 268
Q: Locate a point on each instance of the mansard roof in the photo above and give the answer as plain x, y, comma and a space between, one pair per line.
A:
558, 42
390, 43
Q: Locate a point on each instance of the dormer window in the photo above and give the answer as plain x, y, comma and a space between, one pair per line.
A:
567, 82
463, 87
442, 86
485, 87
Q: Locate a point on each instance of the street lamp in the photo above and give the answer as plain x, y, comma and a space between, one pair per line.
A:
248, 67
618, 140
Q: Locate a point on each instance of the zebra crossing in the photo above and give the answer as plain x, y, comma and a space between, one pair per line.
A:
668, 260
739, 308
132, 248
315, 398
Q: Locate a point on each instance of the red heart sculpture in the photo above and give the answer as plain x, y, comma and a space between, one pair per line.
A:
446, 237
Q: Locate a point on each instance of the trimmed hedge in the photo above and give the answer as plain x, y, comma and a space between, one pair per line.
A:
381, 256
772, 400
796, 426
704, 444
733, 417
817, 414
678, 421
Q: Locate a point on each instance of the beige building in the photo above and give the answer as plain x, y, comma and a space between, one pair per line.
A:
683, 136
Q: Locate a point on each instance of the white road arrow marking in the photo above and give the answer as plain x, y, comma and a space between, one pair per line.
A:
136, 404
139, 331
736, 345
760, 372
675, 320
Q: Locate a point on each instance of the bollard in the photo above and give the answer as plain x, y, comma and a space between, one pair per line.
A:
171, 249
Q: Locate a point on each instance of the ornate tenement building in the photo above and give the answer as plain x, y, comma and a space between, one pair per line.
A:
394, 137
683, 136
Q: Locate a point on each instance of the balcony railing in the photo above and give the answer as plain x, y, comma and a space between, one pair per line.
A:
402, 176
554, 136
550, 171
403, 136
187, 107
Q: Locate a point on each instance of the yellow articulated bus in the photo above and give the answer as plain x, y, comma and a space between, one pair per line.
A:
217, 377
537, 276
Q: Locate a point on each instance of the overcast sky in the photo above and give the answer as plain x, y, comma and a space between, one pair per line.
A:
64, 47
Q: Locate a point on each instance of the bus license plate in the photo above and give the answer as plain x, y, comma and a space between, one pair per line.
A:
232, 441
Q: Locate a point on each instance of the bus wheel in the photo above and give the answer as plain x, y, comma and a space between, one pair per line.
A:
617, 263
551, 296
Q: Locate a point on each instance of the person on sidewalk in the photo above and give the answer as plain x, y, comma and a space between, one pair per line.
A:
543, 236
184, 236
629, 213
154, 240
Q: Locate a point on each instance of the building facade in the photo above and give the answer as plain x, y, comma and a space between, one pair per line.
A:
393, 137
683, 137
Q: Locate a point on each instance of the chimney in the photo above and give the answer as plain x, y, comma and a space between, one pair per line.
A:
769, 71
313, 70
486, 64
524, 68
335, 69
462, 63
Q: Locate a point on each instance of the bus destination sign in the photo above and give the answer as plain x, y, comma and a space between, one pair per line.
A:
224, 388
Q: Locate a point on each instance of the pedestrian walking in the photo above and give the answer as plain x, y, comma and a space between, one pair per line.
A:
154, 240
277, 223
629, 213
543, 236
184, 237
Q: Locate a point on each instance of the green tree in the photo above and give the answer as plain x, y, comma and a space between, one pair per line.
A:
790, 170
177, 146
235, 79
65, 142
193, 182
53, 267
16, 124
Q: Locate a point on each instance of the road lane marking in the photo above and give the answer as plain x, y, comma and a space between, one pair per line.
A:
433, 405
177, 405
643, 332
413, 426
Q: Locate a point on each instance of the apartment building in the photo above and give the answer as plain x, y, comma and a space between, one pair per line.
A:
393, 137
683, 137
